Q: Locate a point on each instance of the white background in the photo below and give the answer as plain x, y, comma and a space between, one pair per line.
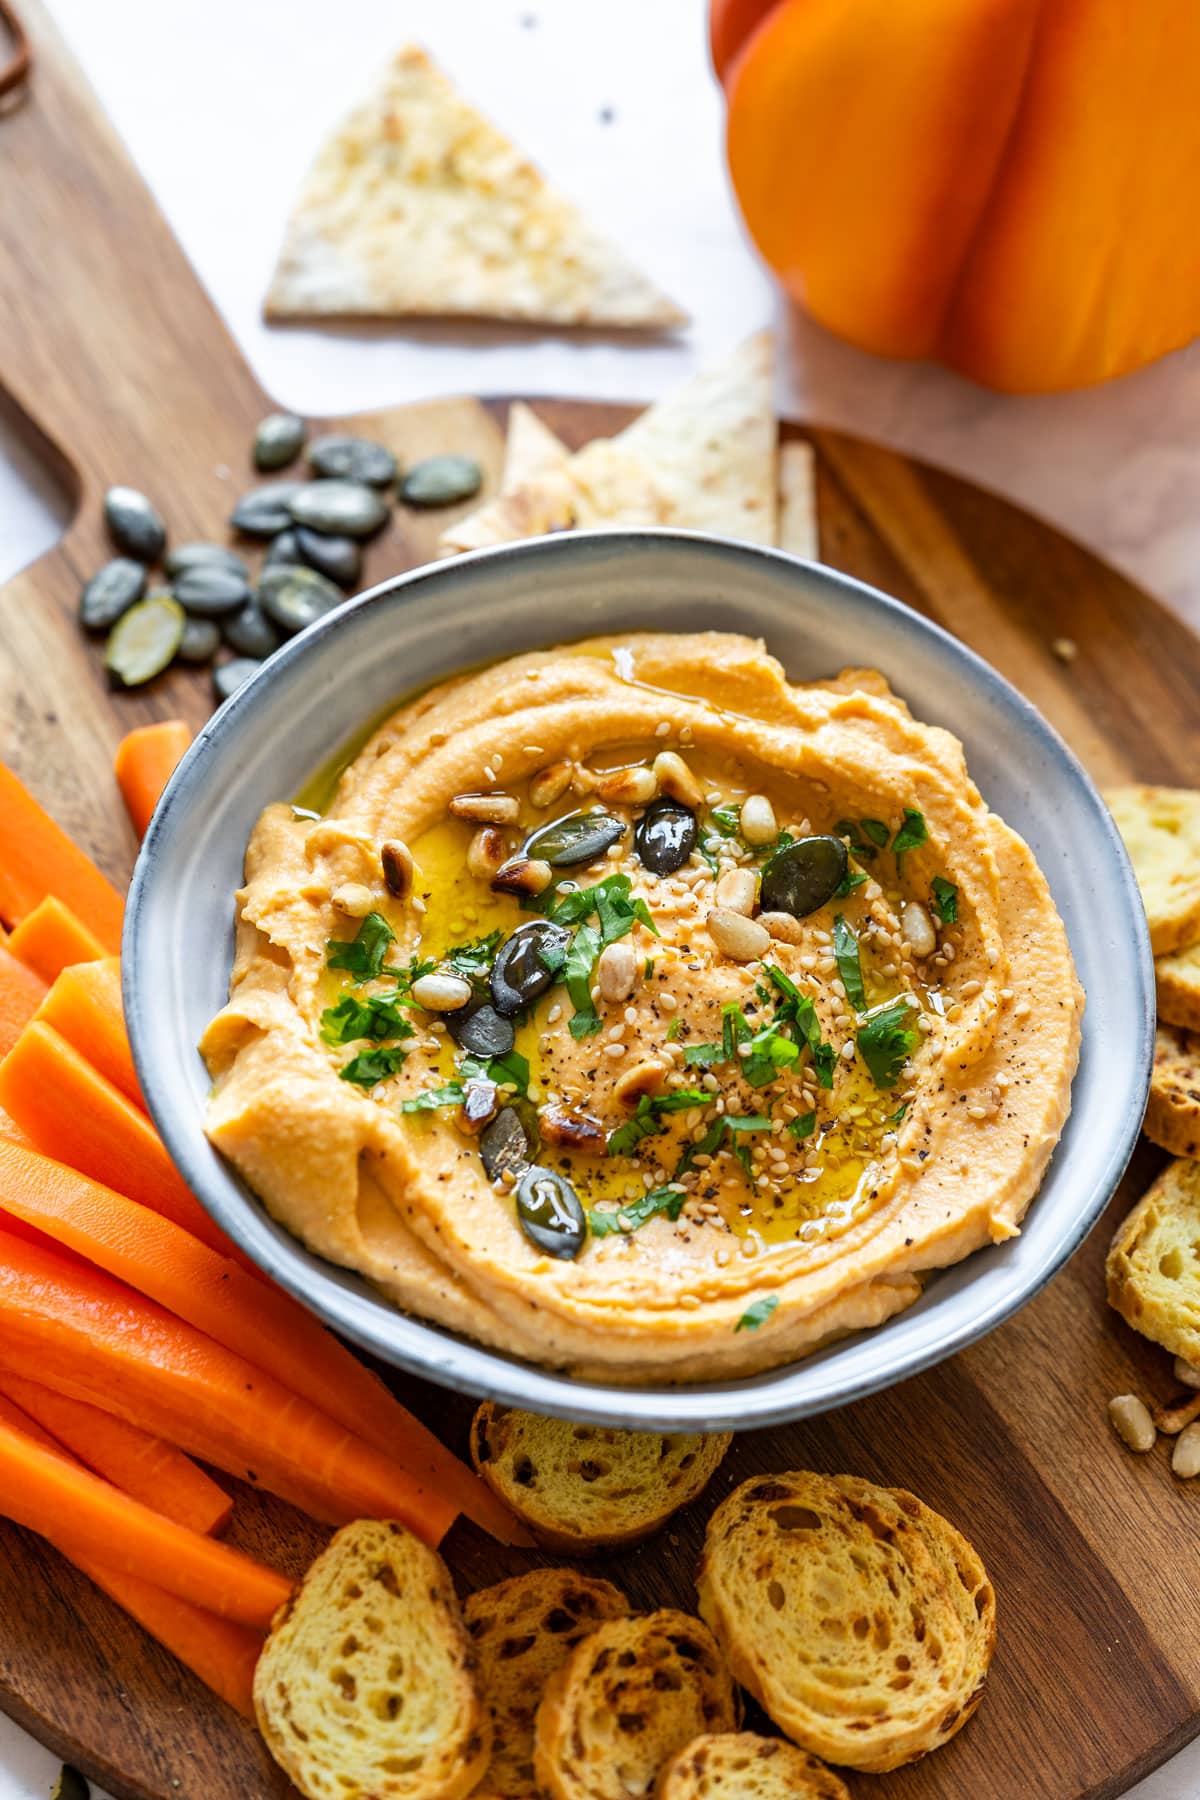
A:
222, 102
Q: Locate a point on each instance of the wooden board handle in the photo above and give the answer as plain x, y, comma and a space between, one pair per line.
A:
107, 338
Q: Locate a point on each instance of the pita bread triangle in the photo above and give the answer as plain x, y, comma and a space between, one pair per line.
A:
417, 206
703, 459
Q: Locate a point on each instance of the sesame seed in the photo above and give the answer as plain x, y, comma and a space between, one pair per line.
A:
969, 989
848, 1050
532, 750
663, 728
749, 1246
614, 1050
668, 1002
554, 1015
977, 1112
1022, 1009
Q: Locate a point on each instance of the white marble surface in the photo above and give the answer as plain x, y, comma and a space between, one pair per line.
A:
221, 102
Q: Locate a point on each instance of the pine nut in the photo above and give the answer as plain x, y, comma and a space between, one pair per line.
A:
1130, 1419
628, 787
485, 809
1185, 1457
550, 784
739, 938
676, 779
1187, 1372
441, 993
737, 891
616, 972
523, 875
786, 930
917, 927
757, 820
487, 852
644, 1078
352, 899
397, 861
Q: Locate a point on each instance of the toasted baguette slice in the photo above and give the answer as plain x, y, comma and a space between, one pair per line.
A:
1177, 979
584, 1488
1161, 828
366, 1688
861, 1622
523, 1631
1173, 1109
739, 1765
1154, 1264
627, 1698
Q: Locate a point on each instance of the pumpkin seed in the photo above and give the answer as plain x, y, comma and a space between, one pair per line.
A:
551, 1213
264, 510
348, 458
665, 836
441, 481
228, 677
340, 558
111, 592
70, 1785
503, 1144
144, 640
193, 556
519, 973
278, 441
575, 838
803, 876
133, 524
200, 641
295, 597
250, 632
283, 549
481, 1031
208, 591
340, 508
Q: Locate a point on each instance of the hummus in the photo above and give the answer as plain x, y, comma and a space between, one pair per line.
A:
789, 1019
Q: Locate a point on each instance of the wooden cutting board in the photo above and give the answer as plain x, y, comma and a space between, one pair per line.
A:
113, 358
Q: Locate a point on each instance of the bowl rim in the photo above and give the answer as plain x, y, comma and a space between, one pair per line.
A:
728, 1404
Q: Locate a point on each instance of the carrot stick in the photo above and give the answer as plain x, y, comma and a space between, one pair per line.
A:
84, 1006
144, 763
21, 993
12, 1131
255, 1319
87, 1517
50, 938
221, 1653
74, 1115
157, 1474
38, 858
76, 1330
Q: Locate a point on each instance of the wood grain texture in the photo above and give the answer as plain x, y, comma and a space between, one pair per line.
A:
112, 354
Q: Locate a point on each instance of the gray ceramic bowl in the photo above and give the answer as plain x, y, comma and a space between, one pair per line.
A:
314, 695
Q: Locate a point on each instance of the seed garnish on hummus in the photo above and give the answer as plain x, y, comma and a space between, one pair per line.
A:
641, 1013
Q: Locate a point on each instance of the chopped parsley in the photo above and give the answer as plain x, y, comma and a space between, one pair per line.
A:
798, 1009
472, 961
726, 819
651, 1110
611, 900
576, 971
504, 1071
673, 1030
804, 1126
664, 1200
370, 1067
748, 1121
853, 878
911, 835
758, 1313
886, 1040
449, 1095
377, 1017
849, 962
945, 900
866, 836
708, 1145
647, 968
702, 1056
362, 954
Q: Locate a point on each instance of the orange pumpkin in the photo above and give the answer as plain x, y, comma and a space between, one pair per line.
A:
1010, 186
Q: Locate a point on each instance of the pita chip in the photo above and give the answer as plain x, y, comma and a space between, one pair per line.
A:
798, 531
531, 453
418, 207
702, 459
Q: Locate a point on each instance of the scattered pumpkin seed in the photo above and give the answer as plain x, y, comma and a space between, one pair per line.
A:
803, 876
250, 632
263, 512
353, 459
208, 591
70, 1785
339, 558
278, 441
441, 481
665, 836
283, 549
200, 641
193, 556
520, 973
111, 592
550, 1213
133, 524
575, 838
481, 1031
228, 677
340, 508
144, 640
294, 596
503, 1144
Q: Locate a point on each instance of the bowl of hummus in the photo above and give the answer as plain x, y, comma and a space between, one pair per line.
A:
672, 1017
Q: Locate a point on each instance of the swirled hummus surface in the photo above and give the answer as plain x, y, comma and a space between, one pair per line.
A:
798, 1029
